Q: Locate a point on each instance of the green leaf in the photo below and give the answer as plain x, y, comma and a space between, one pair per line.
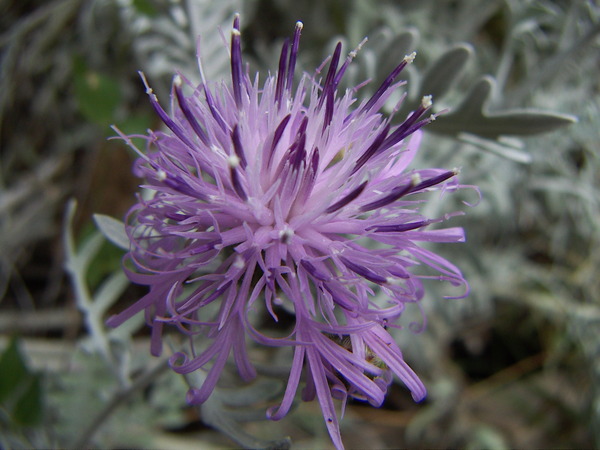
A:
136, 124
28, 409
13, 371
145, 7
97, 94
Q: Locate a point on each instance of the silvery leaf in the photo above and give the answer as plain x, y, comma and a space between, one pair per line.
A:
472, 116
442, 74
497, 147
113, 230
227, 408
394, 52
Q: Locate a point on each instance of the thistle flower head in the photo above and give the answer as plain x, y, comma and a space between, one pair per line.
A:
272, 197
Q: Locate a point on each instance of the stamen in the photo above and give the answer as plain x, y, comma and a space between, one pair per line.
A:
435, 180
394, 195
236, 62
286, 235
293, 55
415, 185
183, 105
298, 152
426, 102
213, 109
399, 227
310, 268
235, 181
279, 131
281, 72
308, 180
329, 79
410, 125
237, 146
233, 161
388, 81
277, 136
363, 271
164, 116
372, 149
329, 108
349, 58
347, 199
239, 262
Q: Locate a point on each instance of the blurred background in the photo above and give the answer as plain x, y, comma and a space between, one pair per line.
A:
514, 365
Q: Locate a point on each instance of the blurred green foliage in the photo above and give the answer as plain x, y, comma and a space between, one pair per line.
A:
21, 396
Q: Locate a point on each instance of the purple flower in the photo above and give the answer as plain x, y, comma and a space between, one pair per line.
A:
270, 199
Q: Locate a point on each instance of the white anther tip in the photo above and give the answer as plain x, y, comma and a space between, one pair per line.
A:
426, 101
410, 58
415, 179
239, 262
233, 161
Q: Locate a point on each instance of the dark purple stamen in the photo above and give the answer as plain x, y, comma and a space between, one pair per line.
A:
409, 126
277, 136
281, 72
409, 188
213, 110
387, 83
314, 162
205, 247
216, 294
308, 180
293, 55
340, 299
176, 183
279, 132
399, 227
372, 149
433, 181
394, 195
298, 151
236, 62
329, 79
237, 146
329, 108
315, 273
237, 185
363, 271
166, 119
349, 58
185, 108
347, 199
303, 126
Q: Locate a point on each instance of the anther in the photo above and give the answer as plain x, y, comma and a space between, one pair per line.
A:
233, 161
426, 102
